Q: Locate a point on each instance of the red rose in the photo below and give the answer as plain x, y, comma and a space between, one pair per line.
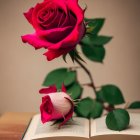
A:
56, 105
59, 26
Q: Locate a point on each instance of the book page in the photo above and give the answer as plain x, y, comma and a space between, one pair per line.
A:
78, 127
98, 126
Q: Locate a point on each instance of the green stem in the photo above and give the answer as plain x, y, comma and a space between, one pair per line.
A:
109, 107
89, 74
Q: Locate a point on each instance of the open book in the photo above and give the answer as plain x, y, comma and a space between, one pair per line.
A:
82, 129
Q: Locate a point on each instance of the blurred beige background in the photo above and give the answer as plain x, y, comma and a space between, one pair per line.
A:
22, 69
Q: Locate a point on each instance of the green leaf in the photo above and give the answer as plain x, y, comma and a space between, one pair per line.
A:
118, 120
101, 40
79, 57
83, 107
97, 110
110, 94
89, 108
95, 24
87, 40
94, 53
64, 57
91, 51
99, 96
75, 90
75, 55
72, 55
60, 76
135, 105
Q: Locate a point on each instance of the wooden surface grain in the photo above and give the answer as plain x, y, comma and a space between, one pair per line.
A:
13, 125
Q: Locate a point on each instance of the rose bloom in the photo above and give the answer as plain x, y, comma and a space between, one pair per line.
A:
56, 105
59, 26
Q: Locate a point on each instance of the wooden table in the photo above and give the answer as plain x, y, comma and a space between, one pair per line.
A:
13, 125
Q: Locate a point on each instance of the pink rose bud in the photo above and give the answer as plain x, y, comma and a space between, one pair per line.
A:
56, 105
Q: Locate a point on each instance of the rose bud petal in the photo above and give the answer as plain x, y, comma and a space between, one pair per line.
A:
56, 105
48, 90
58, 24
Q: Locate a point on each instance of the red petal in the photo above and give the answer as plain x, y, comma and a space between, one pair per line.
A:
69, 115
52, 54
28, 15
51, 89
63, 88
79, 30
55, 35
45, 117
34, 40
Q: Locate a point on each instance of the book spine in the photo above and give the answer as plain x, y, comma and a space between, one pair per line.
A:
26, 129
